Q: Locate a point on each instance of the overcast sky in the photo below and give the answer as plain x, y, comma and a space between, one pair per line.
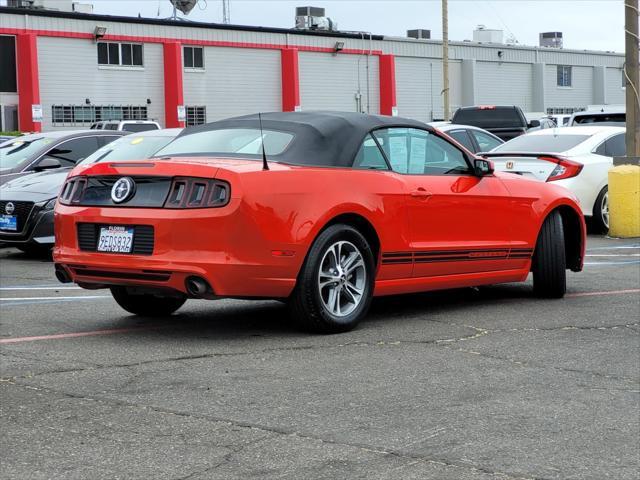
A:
586, 24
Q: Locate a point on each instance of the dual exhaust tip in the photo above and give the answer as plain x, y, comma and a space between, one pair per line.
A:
62, 275
196, 287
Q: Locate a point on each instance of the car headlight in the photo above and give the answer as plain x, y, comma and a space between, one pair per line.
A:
49, 204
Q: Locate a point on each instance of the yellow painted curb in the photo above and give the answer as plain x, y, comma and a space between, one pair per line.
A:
624, 201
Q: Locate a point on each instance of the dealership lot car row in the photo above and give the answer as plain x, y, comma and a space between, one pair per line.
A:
357, 242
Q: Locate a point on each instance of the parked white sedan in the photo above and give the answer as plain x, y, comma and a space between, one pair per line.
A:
577, 158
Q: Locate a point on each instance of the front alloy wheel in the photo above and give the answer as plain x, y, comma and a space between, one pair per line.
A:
601, 211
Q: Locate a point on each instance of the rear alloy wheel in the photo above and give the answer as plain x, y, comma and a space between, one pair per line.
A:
549, 261
146, 304
335, 285
601, 211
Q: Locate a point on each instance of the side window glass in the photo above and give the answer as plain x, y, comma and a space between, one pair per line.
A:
369, 156
462, 137
485, 142
69, 152
616, 146
418, 152
444, 158
602, 149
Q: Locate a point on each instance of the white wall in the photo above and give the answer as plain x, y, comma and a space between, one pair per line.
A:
501, 83
580, 94
69, 73
330, 82
613, 85
235, 81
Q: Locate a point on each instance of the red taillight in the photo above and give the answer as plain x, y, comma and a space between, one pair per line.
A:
72, 190
564, 168
486, 107
188, 192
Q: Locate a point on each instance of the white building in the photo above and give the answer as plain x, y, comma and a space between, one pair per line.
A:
81, 67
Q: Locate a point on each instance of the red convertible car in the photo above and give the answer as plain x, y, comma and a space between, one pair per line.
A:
324, 210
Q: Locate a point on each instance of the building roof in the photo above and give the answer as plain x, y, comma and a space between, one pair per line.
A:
178, 23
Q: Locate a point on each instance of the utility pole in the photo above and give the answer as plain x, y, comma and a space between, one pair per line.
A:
445, 57
226, 12
632, 76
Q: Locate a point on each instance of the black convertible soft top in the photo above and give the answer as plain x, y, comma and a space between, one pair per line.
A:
321, 138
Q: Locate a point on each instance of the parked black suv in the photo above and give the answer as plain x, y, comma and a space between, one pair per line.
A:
505, 122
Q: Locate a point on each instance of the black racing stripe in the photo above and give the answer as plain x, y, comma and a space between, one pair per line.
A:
396, 254
396, 262
459, 259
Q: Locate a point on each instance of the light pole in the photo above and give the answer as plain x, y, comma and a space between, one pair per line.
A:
445, 58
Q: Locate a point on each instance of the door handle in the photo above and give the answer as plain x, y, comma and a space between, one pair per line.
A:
420, 193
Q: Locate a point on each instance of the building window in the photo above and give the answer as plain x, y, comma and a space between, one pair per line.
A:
193, 57
127, 54
88, 114
564, 76
8, 81
196, 116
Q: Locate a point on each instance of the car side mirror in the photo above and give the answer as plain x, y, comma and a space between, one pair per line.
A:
483, 167
47, 163
534, 123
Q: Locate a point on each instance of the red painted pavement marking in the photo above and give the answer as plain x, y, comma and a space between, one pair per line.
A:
611, 292
115, 331
79, 334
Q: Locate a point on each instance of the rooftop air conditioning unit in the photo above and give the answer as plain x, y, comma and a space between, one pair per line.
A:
313, 18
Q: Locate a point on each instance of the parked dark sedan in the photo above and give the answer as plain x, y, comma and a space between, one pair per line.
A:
26, 203
45, 151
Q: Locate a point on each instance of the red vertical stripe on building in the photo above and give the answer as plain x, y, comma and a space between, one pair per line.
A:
290, 80
28, 81
173, 90
387, 84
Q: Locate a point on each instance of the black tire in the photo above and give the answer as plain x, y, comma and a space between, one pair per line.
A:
146, 305
306, 304
600, 219
549, 261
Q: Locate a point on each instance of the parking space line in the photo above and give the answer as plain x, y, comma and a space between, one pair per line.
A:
85, 297
612, 255
609, 292
92, 333
9, 289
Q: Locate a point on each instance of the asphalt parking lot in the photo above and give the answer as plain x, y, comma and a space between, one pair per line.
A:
486, 383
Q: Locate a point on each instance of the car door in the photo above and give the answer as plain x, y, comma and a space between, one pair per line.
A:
458, 222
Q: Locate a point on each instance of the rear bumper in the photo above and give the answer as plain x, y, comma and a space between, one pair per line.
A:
221, 245
38, 231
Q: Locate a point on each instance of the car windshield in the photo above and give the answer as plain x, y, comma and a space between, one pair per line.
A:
245, 142
14, 152
131, 147
542, 143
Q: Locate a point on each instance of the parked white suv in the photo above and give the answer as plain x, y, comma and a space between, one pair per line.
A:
126, 125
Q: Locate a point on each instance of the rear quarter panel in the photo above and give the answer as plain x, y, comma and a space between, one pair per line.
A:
289, 206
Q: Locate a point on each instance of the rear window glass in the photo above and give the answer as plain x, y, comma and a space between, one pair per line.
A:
230, 141
139, 127
599, 118
488, 117
542, 143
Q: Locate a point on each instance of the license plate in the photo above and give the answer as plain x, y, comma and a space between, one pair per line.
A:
115, 239
9, 222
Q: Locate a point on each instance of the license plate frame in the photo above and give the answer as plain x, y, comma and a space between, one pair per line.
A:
115, 239
9, 223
